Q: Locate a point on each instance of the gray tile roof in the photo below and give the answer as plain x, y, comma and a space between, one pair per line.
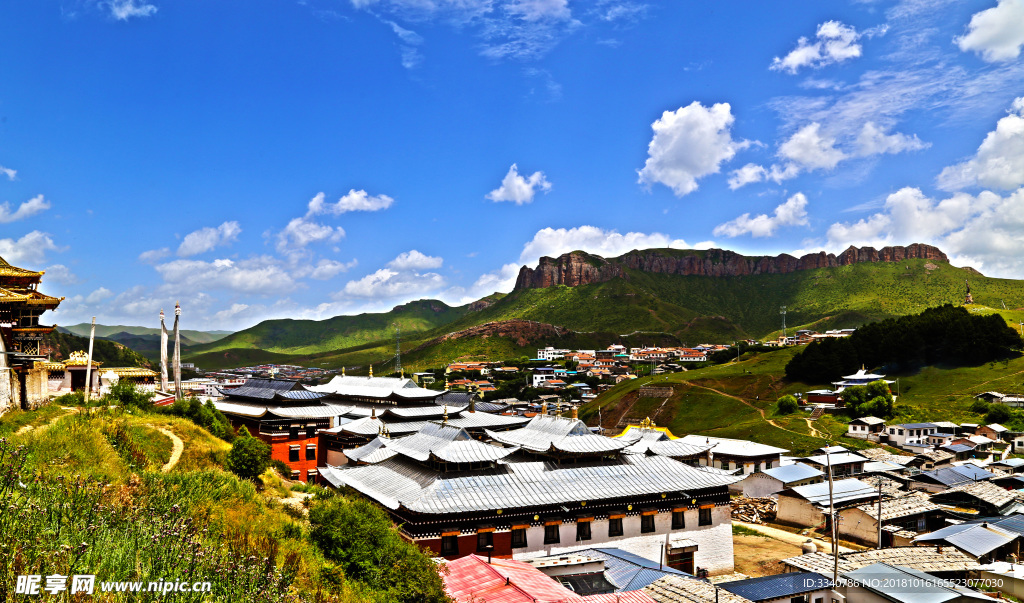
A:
447, 443
983, 491
777, 586
547, 433
904, 506
319, 411
683, 589
373, 452
908, 585
733, 448
955, 476
522, 484
924, 558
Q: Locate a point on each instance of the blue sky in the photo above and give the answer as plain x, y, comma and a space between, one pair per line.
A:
308, 159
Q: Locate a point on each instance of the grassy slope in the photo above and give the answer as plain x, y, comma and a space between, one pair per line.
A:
109, 353
82, 329
932, 394
306, 337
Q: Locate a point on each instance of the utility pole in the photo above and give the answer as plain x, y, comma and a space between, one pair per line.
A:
782, 311
398, 351
879, 480
832, 518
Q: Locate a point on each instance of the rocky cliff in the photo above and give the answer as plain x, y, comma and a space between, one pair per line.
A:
579, 268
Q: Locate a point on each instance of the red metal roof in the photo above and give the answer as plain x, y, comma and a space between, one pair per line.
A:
630, 596
502, 581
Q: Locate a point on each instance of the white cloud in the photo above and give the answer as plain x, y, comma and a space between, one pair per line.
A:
791, 213
206, 239
537, 10
835, 43
99, 295
518, 189
873, 140
503, 279
327, 269
387, 283
27, 209
985, 230
996, 33
553, 242
30, 249
354, 201
258, 275
688, 144
810, 149
999, 161
300, 232
122, 10
154, 255
414, 260
11, 174
411, 56
59, 273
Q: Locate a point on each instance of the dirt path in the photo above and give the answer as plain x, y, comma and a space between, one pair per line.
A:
28, 428
176, 451
760, 411
789, 537
814, 432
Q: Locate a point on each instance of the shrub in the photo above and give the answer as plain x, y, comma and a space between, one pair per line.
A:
360, 538
787, 405
980, 407
126, 395
873, 399
249, 456
997, 413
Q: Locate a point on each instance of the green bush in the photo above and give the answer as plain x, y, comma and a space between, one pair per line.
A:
362, 540
787, 405
126, 395
997, 413
873, 399
980, 407
249, 456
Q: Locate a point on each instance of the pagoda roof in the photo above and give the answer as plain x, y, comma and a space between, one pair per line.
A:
399, 482
271, 389
6, 270
547, 434
375, 387
446, 443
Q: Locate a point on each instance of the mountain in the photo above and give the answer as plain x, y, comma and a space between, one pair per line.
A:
650, 296
108, 331
110, 353
288, 336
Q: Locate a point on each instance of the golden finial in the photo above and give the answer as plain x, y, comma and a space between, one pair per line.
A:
575, 412
544, 408
446, 385
403, 373
371, 370
387, 432
342, 371
373, 412
445, 421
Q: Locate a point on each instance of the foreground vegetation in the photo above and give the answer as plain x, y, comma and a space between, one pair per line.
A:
85, 493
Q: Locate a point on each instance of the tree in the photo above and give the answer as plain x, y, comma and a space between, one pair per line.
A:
873, 399
362, 540
126, 395
249, 456
787, 405
997, 413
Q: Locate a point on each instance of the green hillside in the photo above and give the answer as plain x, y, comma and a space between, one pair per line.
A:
110, 331
701, 308
287, 336
110, 353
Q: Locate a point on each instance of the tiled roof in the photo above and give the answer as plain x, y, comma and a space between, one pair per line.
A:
375, 387
778, 586
682, 589
924, 558
880, 454
447, 443
374, 452
904, 506
547, 433
511, 485
984, 491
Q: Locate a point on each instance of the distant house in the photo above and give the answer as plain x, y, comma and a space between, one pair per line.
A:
912, 512
805, 506
1010, 465
982, 541
961, 452
935, 459
864, 427
941, 438
987, 498
730, 454
910, 433
772, 481
993, 431
843, 463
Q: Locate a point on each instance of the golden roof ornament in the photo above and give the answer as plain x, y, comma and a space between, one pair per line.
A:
575, 412
445, 421
647, 423
342, 371
544, 408
371, 371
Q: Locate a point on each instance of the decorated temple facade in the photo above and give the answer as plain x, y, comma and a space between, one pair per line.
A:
23, 384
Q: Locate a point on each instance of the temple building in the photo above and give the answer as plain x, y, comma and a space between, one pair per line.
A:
544, 489
68, 376
23, 384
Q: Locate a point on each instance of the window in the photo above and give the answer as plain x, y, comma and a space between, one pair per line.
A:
551, 534
295, 474
819, 600
293, 432
518, 538
293, 454
704, 518
310, 453
678, 521
582, 530
449, 545
484, 540
798, 600
615, 527
310, 431
646, 523
757, 468
311, 474
922, 524
725, 465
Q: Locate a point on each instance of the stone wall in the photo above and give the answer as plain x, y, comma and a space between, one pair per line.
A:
656, 392
6, 392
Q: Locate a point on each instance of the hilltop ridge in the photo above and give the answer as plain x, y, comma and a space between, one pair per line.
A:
578, 268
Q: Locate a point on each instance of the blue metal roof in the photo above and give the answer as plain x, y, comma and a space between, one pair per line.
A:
774, 587
955, 476
628, 571
957, 448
